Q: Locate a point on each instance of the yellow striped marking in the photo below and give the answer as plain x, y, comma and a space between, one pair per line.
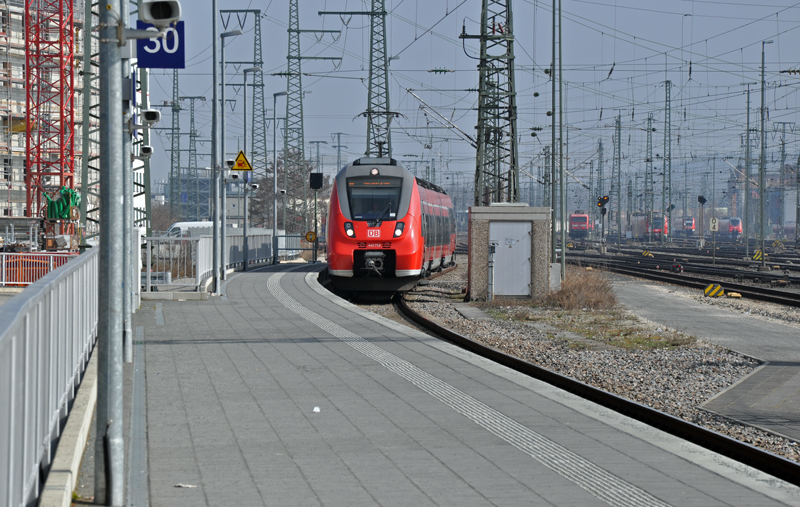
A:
646, 254
714, 290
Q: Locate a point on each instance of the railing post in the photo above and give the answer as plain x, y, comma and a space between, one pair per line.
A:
149, 272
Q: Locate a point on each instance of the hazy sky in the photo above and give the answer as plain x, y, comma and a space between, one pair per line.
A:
706, 48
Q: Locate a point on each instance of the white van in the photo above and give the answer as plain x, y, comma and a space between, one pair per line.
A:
190, 229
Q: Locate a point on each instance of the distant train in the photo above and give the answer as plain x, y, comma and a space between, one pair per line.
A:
640, 226
580, 225
688, 227
386, 229
730, 228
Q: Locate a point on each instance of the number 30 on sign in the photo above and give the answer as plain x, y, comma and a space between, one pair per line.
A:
158, 53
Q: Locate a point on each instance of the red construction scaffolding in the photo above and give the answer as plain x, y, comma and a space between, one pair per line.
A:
50, 96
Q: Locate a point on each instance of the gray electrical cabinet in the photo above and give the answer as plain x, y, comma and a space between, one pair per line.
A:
512, 258
520, 264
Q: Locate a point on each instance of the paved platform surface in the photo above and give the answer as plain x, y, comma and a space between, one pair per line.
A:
770, 397
281, 394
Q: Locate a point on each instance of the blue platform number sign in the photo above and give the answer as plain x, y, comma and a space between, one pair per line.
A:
157, 53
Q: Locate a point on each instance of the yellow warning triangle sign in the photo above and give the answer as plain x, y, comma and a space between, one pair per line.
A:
241, 163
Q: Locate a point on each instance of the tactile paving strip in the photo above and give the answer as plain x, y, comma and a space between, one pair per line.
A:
587, 475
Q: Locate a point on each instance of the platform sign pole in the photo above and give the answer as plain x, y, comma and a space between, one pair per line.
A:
714, 229
109, 445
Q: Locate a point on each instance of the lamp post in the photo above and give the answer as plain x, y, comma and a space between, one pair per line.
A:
762, 163
275, 179
215, 166
223, 163
247, 174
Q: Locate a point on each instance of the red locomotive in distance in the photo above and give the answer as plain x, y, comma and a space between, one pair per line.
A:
386, 229
730, 228
580, 225
688, 227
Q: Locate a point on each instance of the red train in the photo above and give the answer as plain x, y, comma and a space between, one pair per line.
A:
386, 229
688, 227
730, 228
580, 225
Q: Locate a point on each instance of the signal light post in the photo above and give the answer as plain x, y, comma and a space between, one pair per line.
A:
701, 242
601, 203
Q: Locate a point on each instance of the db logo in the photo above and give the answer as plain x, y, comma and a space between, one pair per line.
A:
373, 233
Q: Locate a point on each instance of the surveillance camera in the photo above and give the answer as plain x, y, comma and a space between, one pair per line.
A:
282, 191
151, 116
160, 13
145, 152
234, 176
254, 186
230, 162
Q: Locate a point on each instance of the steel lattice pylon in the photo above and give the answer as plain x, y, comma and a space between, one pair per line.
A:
295, 167
175, 151
49, 97
258, 150
496, 173
193, 208
294, 175
379, 136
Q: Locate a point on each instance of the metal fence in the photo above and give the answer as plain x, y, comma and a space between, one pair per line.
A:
178, 262
259, 245
46, 335
186, 263
24, 268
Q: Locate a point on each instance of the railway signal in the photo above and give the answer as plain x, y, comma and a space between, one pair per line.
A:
601, 203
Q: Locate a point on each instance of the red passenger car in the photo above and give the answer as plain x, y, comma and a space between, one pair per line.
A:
386, 229
580, 225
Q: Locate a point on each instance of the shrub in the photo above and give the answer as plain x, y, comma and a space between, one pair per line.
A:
582, 289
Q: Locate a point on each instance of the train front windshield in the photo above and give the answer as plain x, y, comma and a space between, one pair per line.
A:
735, 222
374, 198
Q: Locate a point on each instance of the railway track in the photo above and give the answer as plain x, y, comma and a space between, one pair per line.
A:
650, 272
744, 453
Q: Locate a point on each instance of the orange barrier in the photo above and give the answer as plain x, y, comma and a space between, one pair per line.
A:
21, 269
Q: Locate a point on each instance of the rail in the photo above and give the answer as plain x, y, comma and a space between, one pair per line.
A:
745, 453
24, 268
46, 335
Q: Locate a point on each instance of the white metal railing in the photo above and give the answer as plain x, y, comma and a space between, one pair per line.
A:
178, 262
186, 263
259, 249
46, 335
24, 268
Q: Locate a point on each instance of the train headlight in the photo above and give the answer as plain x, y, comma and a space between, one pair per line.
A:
348, 229
398, 229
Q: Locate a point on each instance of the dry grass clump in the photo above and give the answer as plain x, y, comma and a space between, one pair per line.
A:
582, 289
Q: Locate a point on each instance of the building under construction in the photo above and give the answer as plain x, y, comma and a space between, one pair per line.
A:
41, 109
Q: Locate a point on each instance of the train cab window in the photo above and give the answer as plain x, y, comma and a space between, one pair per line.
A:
735, 222
374, 198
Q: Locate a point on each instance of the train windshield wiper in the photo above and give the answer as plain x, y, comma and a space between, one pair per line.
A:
385, 210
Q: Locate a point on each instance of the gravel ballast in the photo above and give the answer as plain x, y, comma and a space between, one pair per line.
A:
675, 379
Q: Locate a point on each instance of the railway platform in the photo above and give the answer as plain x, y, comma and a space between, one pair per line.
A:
279, 393
769, 398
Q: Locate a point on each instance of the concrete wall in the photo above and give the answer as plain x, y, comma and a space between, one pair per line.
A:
479, 220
